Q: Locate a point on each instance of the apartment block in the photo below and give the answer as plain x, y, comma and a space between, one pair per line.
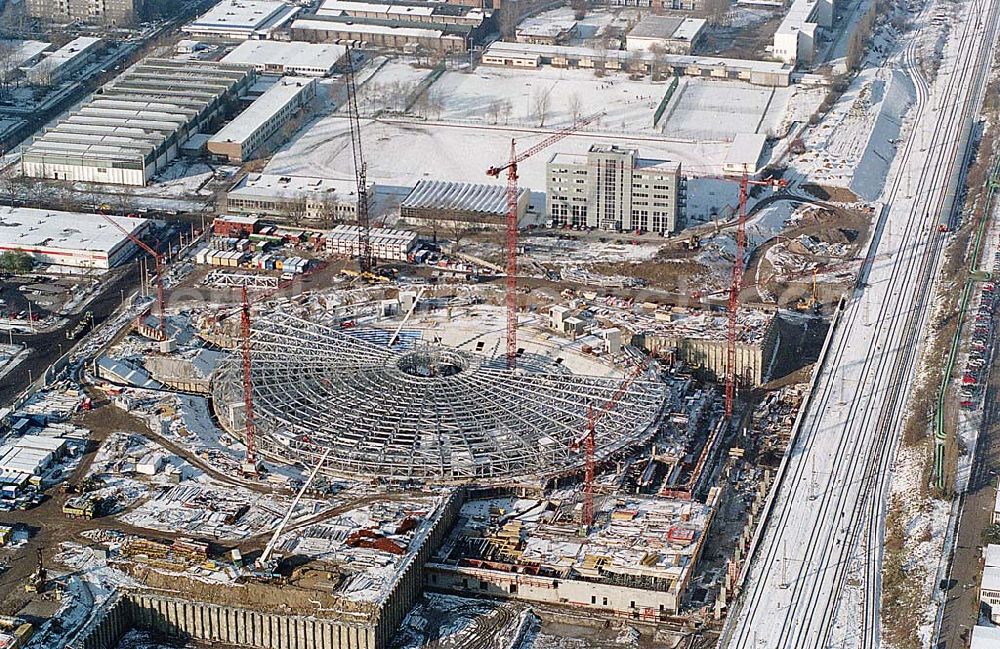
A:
612, 188
108, 12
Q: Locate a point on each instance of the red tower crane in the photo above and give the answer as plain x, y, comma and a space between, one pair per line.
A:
737, 280
589, 440
511, 168
157, 265
251, 463
250, 429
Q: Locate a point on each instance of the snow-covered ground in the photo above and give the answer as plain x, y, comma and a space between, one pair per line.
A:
401, 153
706, 109
570, 94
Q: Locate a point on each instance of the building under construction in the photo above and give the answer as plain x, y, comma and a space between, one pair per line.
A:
396, 408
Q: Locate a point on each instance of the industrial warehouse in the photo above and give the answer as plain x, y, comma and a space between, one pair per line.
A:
134, 126
67, 238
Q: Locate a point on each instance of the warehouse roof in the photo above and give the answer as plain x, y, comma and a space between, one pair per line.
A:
667, 27
985, 637
242, 15
156, 114
444, 195
501, 48
320, 56
269, 104
357, 25
278, 186
26, 227
545, 27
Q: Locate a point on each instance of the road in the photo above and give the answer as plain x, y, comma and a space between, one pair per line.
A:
828, 518
46, 348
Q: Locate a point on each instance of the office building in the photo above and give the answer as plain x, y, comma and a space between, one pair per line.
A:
612, 188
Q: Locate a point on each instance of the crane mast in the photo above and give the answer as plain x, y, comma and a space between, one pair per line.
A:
250, 427
157, 266
736, 281
365, 259
511, 223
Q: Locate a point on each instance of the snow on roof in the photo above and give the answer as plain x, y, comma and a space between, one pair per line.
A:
992, 554
801, 17
280, 186
367, 28
260, 111
991, 579
319, 56
444, 195
746, 149
245, 14
985, 637
545, 26
22, 51
77, 47
689, 29
503, 48
26, 227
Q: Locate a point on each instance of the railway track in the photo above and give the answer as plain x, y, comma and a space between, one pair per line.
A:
853, 430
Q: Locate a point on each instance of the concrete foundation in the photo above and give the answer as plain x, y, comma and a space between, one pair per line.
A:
185, 619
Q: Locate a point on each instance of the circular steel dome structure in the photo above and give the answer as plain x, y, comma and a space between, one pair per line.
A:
421, 412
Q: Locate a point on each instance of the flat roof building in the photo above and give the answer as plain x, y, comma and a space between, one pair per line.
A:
795, 39
435, 203
241, 20
68, 238
386, 243
296, 198
668, 34
383, 33
612, 188
413, 12
282, 57
985, 637
239, 140
23, 54
745, 152
65, 61
134, 126
528, 55
546, 31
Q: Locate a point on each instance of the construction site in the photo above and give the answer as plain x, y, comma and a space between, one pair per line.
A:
447, 324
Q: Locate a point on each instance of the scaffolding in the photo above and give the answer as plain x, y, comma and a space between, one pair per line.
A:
413, 411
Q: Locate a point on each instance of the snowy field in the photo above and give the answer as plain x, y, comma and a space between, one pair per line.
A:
719, 110
401, 153
390, 86
498, 95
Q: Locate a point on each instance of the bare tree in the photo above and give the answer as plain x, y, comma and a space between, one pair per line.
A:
494, 109
579, 9
575, 106
540, 103
124, 200
717, 11
435, 103
297, 211
506, 107
509, 16
8, 65
328, 210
